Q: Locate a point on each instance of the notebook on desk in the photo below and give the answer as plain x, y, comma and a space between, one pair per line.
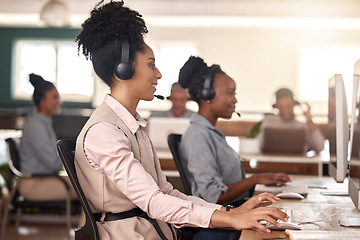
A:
284, 140
160, 127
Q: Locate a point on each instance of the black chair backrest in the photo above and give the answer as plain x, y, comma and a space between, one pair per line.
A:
66, 150
13, 152
174, 141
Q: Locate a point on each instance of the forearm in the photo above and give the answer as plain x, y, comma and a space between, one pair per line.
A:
316, 140
176, 193
236, 189
311, 125
220, 219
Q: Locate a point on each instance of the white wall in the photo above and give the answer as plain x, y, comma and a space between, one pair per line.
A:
259, 59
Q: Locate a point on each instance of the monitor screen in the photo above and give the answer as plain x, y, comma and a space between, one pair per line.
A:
354, 146
68, 126
160, 128
338, 128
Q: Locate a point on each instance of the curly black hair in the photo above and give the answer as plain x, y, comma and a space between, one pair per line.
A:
192, 76
41, 86
102, 33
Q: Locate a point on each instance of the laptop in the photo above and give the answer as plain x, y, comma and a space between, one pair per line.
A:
284, 140
159, 129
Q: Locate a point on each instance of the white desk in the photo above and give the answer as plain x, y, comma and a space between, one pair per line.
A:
312, 158
167, 162
328, 209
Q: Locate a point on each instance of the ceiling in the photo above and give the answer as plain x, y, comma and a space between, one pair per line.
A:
164, 12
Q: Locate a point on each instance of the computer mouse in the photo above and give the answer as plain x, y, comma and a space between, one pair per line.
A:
291, 195
283, 226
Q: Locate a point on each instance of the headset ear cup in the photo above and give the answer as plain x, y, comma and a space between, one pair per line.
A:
124, 70
207, 93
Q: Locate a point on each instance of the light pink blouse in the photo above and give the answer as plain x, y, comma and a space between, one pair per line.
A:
108, 151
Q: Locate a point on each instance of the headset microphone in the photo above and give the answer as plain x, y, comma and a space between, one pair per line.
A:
159, 97
238, 114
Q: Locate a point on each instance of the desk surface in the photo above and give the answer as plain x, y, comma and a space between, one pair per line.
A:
322, 157
304, 161
327, 209
302, 158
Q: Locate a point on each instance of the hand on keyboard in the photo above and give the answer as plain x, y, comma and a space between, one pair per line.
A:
283, 225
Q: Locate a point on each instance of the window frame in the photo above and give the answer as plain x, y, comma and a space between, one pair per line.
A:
16, 94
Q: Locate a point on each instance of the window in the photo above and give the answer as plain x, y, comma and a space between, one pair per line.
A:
169, 60
319, 63
57, 62
170, 57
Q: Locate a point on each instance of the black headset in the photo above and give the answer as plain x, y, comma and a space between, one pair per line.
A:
207, 93
288, 93
125, 69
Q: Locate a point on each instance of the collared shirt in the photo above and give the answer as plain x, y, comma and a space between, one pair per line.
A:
211, 162
109, 151
37, 148
314, 140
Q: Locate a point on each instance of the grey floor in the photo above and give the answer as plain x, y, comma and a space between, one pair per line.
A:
41, 228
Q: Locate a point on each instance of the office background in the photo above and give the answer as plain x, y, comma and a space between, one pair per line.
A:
261, 44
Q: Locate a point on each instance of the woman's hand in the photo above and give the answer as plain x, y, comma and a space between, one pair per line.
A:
246, 219
252, 218
305, 107
261, 200
272, 178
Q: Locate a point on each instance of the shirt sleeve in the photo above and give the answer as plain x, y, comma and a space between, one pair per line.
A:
316, 140
108, 147
42, 145
199, 201
200, 155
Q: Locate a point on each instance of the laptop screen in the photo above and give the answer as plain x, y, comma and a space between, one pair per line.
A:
160, 128
284, 140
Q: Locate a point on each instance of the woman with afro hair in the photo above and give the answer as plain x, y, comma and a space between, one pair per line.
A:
213, 169
116, 164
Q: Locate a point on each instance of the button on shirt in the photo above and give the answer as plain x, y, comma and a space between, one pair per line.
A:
109, 151
211, 162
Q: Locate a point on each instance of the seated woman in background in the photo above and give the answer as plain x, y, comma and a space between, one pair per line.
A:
178, 97
214, 169
285, 104
37, 149
116, 164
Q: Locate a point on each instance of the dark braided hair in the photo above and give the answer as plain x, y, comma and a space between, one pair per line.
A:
41, 86
102, 33
192, 76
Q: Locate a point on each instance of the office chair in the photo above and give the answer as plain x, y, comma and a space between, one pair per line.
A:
18, 202
189, 232
66, 150
174, 141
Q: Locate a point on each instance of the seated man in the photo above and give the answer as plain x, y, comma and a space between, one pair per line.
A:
285, 103
178, 97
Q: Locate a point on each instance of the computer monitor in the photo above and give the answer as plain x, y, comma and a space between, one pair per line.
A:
160, 128
338, 128
354, 146
68, 126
